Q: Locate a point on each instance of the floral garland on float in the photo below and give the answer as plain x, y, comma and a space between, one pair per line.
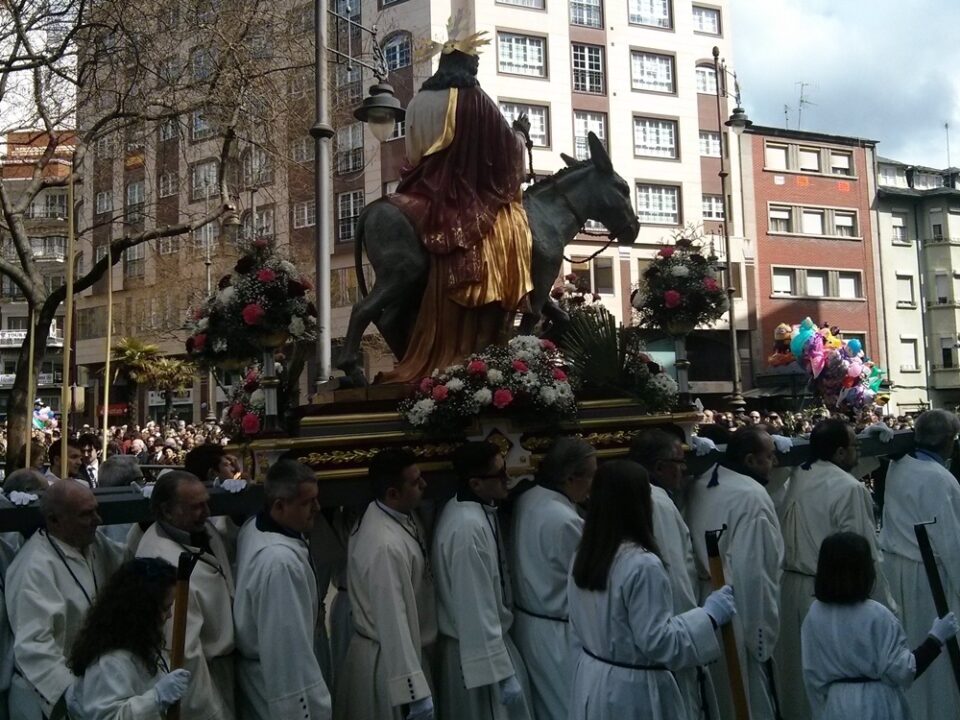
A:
527, 377
246, 406
261, 305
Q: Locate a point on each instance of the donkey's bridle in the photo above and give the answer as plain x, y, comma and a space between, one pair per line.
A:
582, 222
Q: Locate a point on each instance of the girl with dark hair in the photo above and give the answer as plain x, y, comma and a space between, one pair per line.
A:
856, 662
118, 656
621, 609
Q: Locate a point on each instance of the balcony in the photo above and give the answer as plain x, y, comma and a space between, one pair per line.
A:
941, 240
6, 379
15, 338
946, 377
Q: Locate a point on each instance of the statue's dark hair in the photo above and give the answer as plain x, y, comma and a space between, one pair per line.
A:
456, 69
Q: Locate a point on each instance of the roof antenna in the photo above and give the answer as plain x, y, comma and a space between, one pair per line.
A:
803, 101
946, 130
786, 117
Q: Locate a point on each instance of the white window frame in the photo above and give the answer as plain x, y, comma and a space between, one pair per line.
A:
858, 284
302, 149
658, 204
206, 237
169, 130
398, 51
135, 194
304, 214
650, 13
653, 72
778, 214
821, 274
701, 24
808, 155
104, 201
774, 151
911, 346
898, 225
169, 245
168, 184
539, 116
587, 69
350, 148
845, 223
519, 54
531, 4
203, 179
810, 214
845, 166
706, 80
709, 143
200, 127
134, 260
257, 167
784, 274
713, 207
906, 282
351, 201
585, 122
655, 138
586, 13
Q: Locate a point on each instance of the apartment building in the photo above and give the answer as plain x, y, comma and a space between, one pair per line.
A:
638, 73
809, 198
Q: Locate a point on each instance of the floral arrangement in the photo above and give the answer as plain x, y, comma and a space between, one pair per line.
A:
243, 415
261, 305
680, 289
574, 295
526, 376
840, 373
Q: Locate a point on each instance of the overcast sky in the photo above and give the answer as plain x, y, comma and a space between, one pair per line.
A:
886, 70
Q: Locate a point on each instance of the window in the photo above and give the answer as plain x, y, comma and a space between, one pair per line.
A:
539, 120
586, 12
584, 123
811, 222
654, 138
350, 148
397, 51
135, 198
302, 149
817, 283
942, 286
603, 281
848, 285
655, 13
658, 204
203, 179
841, 163
399, 130
521, 55
775, 157
349, 89
168, 245
713, 207
588, 69
899, 228
264, 227
905, 290
927, 181
9, 289
390, 188
302, 18
169, 130
304, 214
937, 231
133, 261
167, 184
260, 43
349, 205
845, 224
206, 238
202, 61
781, 219
104, 201
18, 323
200, 127
947, 345
706, 20
809, 160
709, 144
257, 168
651, 72
706, 80
103, 148
535, 4
784, 281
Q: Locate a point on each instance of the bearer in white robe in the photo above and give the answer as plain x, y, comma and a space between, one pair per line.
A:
386, 673
629, 639
277, 603
546, 531
822, 498
181, 511
482, 674
918, 489
856, 661
732, 494
50, 584
661, 454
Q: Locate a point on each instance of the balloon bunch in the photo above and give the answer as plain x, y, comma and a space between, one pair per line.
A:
43, 417
842, 376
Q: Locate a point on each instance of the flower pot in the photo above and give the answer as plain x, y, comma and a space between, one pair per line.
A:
679, 327
271, 340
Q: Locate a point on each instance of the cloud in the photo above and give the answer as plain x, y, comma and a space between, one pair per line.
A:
877, 69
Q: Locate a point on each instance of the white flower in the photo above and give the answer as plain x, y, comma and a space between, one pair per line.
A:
421, 411
639, 300
288, 268
494, 376
296, 327
569, 287
483, 396
548, 395
202, 323
453, 369
220, 346
258, 399
454, 384
226, 295
680, 271
664, 383
530, 380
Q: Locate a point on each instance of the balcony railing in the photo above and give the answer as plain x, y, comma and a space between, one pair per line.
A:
6, 379
15, 338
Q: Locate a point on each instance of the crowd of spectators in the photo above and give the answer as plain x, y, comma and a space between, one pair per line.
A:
796, 424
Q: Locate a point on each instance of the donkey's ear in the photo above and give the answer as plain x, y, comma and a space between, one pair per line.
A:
598, 154
570, 161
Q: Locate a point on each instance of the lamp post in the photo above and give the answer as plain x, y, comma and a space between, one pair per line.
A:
381, 110
738, 122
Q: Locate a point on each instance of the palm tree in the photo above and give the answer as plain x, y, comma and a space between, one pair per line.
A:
170, 375
134, 360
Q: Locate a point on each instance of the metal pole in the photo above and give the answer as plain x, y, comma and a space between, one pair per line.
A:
322, 132
736, 397
109, 352
67, 329
31, 380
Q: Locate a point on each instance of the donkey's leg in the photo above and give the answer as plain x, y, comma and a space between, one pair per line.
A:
366, 311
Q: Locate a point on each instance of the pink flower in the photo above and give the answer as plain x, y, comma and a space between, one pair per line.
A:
252, 314
197, 313
570, 277
559, 375
260, 243
547, 345
250, 424
199, 342
666, 252
710, 284
671, 298
426, 385
306, 283
520, 366
236, 411
502, 398
476, 367
556, 293
266, 275
440, 393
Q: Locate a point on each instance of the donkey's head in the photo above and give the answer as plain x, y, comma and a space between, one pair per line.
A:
602, 195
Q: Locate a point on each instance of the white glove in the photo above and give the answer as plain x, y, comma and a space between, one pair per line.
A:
944, 628
22, 498
421, 709
702, 446
782, 443
171, 687
234, 486
510, 691
145, 490
719, 605
880, 430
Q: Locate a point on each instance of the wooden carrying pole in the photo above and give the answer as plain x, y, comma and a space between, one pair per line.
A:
65, 398
31, 382
936, 589
108, 352
180, 602
741, 710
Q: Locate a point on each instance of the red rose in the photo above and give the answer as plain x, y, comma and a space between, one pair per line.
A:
520, 366
556, 293
236, 411
440, 393
559, 375
250, 424
426, 385
306, 283
197, 313
710, 284
570, 277
665, 252
266, 275
671, 298
476, 367
252, 314
547, 345
199, 342
250, 385
260, 243
502, 398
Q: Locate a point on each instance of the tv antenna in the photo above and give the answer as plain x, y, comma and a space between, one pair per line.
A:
803, 101
786, 117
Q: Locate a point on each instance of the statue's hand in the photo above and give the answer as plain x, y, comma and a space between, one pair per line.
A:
522, 125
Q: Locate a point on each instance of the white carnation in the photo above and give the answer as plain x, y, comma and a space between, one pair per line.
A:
494, 376
530, 380
454, 384
453, 369
664, 383
203, 323
225, 296
421, 411
680, 271
483, 396
288, 267
220, 346
639, 300
297, 327
548, 395
258, 399
564, 391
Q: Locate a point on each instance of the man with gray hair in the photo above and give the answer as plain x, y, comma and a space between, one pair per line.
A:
546, 532
919, 489
277, 603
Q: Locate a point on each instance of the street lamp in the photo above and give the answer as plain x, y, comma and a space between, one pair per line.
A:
381, 110
738, 122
